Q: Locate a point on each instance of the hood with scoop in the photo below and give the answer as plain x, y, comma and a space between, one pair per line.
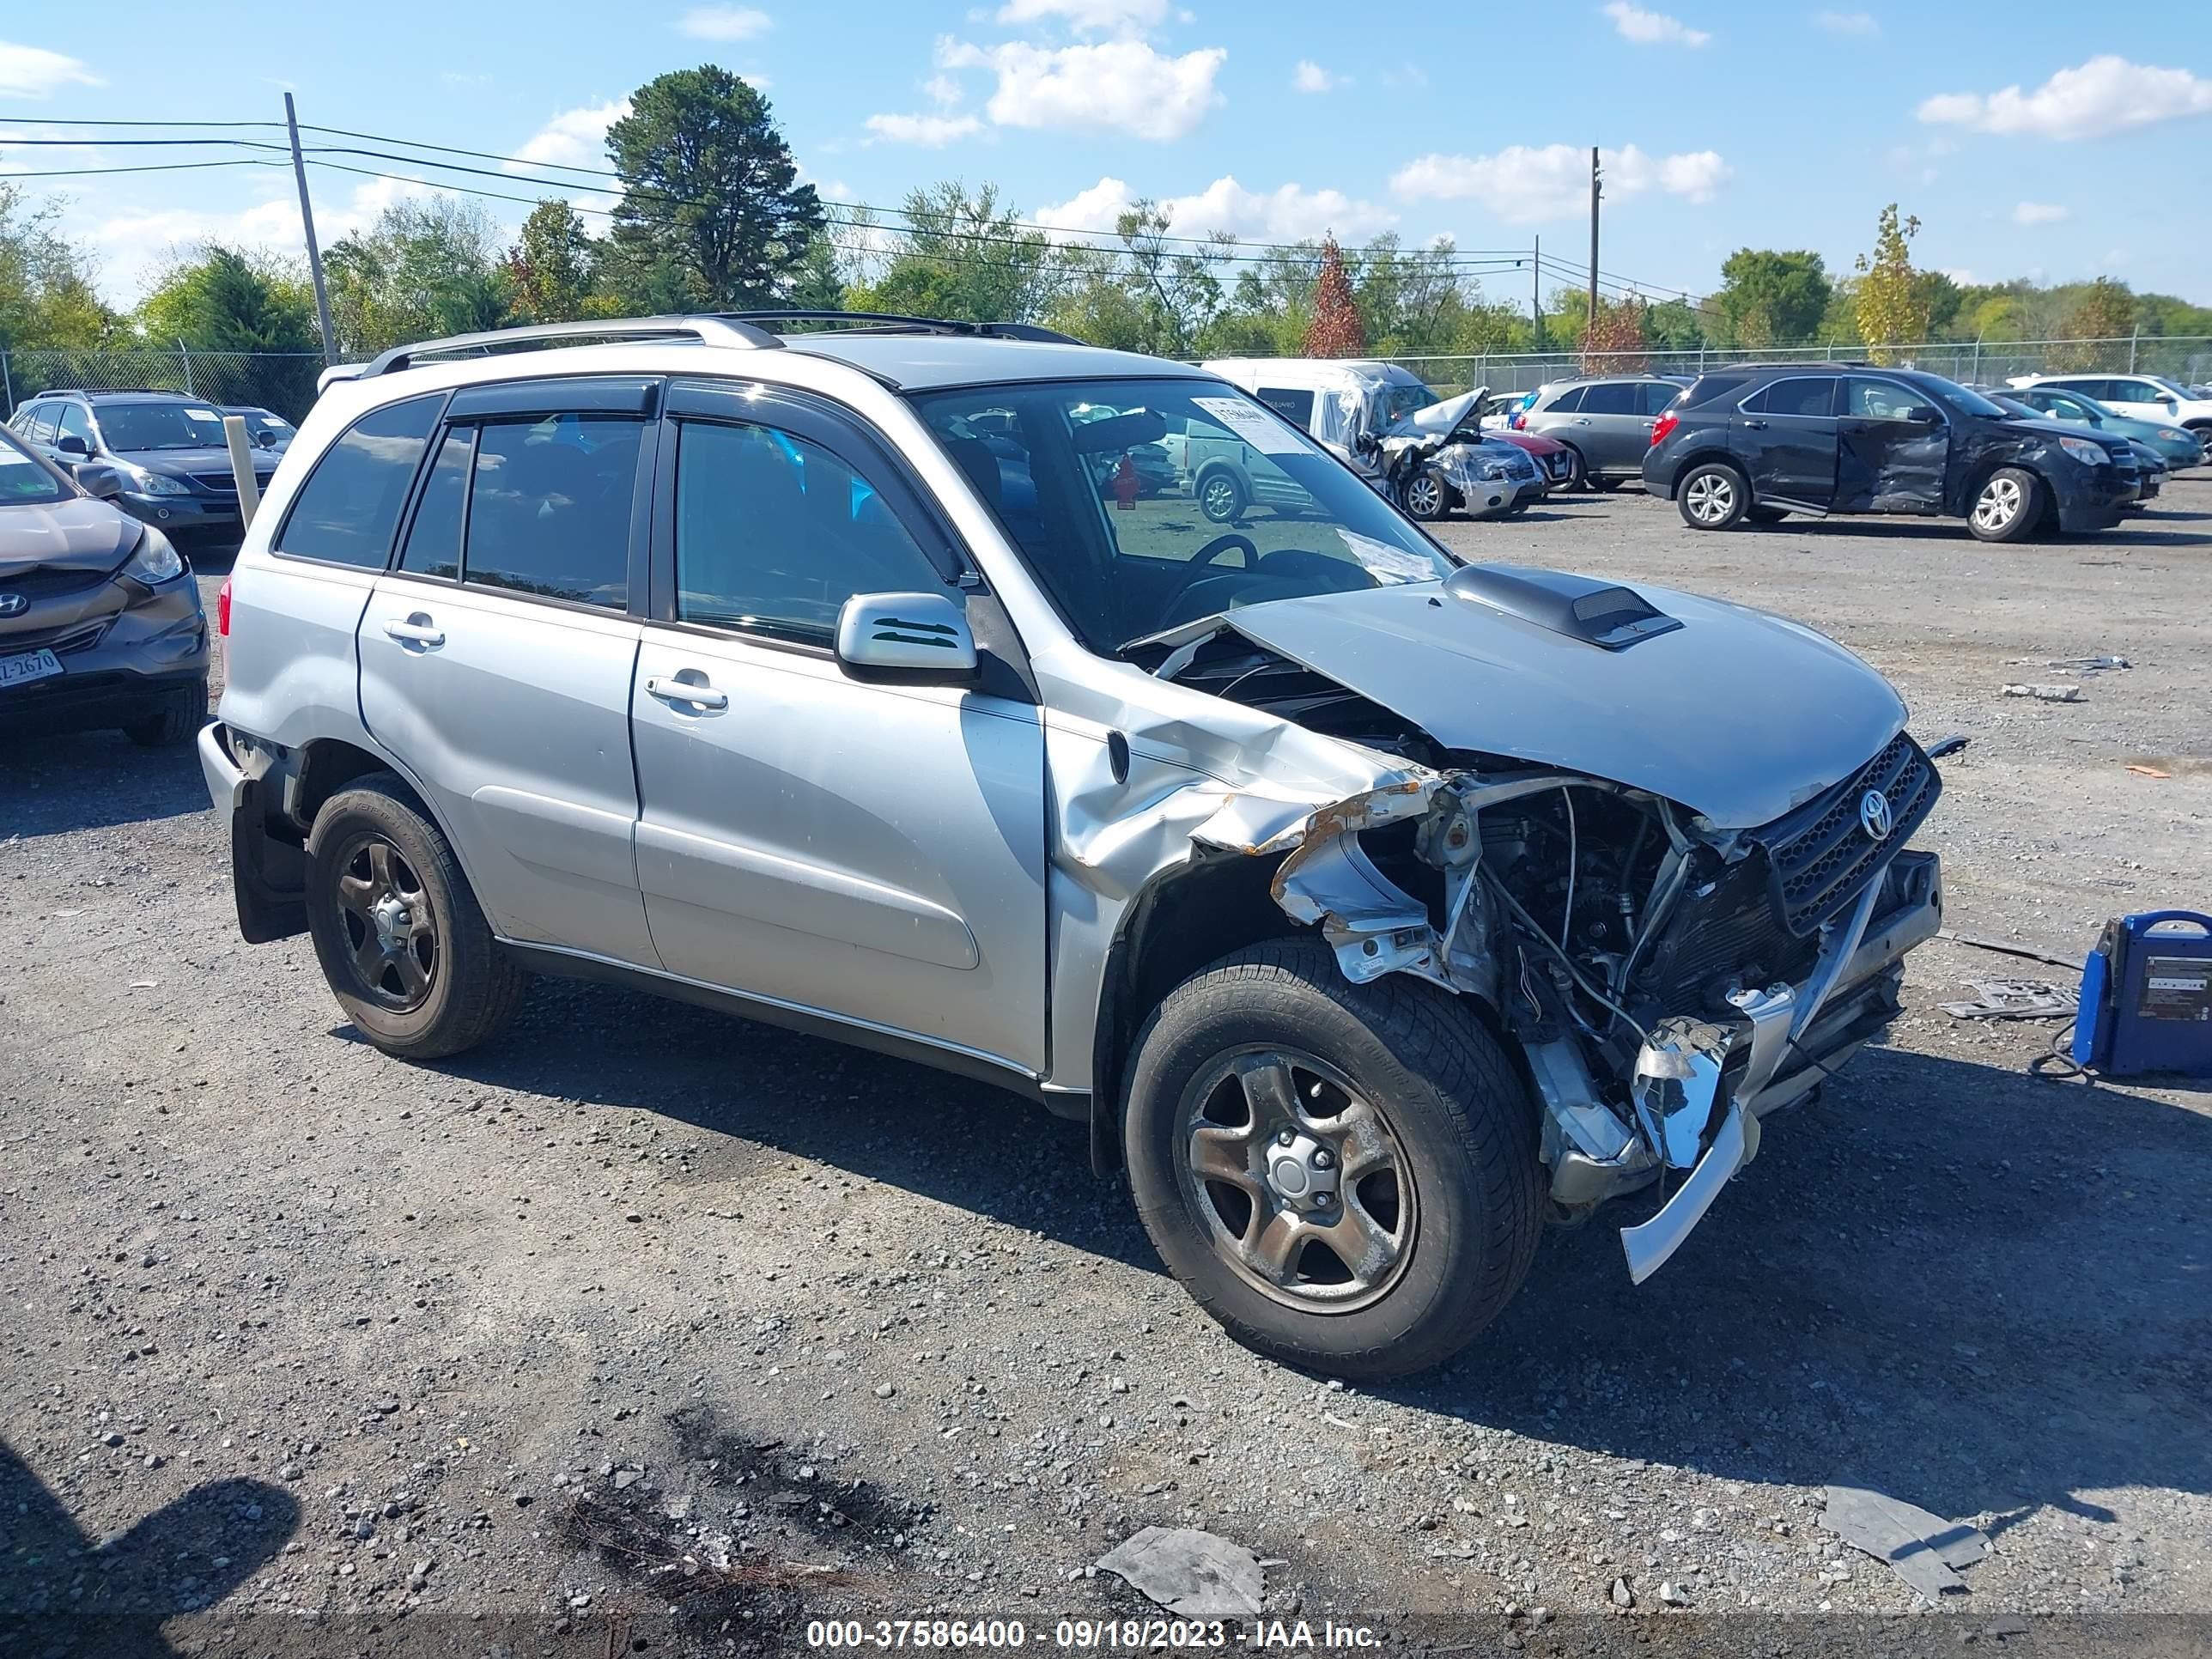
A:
1738, 715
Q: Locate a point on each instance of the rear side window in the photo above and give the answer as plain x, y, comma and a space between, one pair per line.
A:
41, 427
1290, 405
1611, 398
1566, 403
348, 510
549, 508
1659, 395
1806, 394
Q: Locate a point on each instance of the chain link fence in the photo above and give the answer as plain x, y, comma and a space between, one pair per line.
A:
281, 381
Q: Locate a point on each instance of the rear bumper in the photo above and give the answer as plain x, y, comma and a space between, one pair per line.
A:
267, 874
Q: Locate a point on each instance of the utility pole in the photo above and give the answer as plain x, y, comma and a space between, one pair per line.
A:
1595, 190
1536, 290
315, 253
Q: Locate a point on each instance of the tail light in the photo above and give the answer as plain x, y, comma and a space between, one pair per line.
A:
222, 609
1665, 424
1520, 420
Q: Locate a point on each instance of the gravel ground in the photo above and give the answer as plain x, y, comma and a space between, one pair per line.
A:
644, 1326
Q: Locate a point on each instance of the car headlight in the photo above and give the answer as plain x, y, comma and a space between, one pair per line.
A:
154, 483
1493, 471
156, 562
2088, 454
2167, 435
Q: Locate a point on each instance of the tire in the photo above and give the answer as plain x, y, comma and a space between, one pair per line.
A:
2007, 507
1713, 496
1459, 1211
1604, 485
370, 841
1577, 477
172, 718
1767, 514
1426, 497
1222, 496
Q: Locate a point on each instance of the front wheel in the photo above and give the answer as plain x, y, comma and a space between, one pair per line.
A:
1344, 1176
1577, 477
2007, 509
1221, 497
1427, 496
171, 718
401, 938
1714, 495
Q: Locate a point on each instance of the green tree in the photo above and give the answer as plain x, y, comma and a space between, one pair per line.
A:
552, 269
1148, 291
1335, 331
229, 300
2103, 311
1615, 343
1770, 298
964, 256
711, 200
1890, 306
47, 292
1674, 325
428, 266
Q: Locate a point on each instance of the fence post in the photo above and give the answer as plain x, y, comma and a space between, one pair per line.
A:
1976, 376
7, 386
187, 358
2132, 340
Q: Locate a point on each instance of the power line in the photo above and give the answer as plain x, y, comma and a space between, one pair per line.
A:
152, 166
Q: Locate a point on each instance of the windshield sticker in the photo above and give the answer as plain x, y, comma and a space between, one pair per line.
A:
202, 415
1387, 564
1255, 425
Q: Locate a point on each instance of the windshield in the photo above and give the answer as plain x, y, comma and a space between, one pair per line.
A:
23, 481
159, 426
1140, 504
1400, 401
1966, 402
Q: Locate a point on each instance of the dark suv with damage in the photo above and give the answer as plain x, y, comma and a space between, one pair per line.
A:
1759, 442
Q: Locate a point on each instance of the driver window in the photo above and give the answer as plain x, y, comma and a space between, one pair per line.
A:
74, 423
1882, 400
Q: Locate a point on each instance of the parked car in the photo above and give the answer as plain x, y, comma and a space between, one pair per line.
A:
1369, 906
1760, 441
100, 619
1607, 420
269, 430
2151, 468
168, 450
1556, 464
2139, 397
2178, 446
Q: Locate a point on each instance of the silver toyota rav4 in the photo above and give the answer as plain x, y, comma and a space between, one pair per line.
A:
1369, 906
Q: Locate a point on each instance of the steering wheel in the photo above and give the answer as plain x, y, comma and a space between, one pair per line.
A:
1220, 544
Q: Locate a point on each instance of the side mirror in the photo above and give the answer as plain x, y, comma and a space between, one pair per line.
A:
70, 444
1923, 415
922, 636
104, 482
265, 439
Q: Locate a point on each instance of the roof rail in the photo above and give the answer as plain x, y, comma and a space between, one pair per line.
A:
707, 330
895, 322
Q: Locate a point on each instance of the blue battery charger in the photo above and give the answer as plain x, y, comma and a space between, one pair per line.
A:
2147, 997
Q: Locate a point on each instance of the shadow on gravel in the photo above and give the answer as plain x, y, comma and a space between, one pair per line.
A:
1978, 1291
92, 780
63, 1594
2128, 533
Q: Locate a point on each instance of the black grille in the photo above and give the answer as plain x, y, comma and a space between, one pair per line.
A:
220, 483
61, 641
48, 581
1821, 855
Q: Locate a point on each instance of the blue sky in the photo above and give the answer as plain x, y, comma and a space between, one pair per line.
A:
2054, 140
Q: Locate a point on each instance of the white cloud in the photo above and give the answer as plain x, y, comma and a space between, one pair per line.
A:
1088, 16
1310, 76
930, 131
1961, 276
725, 23
2037, 213
1524, 186
1289, 213
1122, 87
1651, 28
576, 138
1860, 23
32, 71
2106, 94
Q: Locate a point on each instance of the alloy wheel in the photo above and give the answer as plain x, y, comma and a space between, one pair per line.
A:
1711, 498
1424, 496
386, 918
2000, 503
1299, 1180
1219, 500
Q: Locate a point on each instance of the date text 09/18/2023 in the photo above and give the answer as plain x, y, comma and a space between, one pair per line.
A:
1098, 1635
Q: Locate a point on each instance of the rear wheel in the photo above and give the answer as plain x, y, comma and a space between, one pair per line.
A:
1598, 480
1345, 1176
1713, 496
401, 936
1577, 470
1428, 497
171, 718
1220, 496
2010, 503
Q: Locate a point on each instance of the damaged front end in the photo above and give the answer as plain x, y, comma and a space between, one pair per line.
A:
1668, 982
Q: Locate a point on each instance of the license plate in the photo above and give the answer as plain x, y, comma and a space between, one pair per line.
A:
30, 665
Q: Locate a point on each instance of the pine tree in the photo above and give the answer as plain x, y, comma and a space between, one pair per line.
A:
1335, 331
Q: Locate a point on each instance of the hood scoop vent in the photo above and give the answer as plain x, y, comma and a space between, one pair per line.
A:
1603, 614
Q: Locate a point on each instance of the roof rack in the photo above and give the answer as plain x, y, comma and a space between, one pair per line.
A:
707, 330
106, 392
895, 322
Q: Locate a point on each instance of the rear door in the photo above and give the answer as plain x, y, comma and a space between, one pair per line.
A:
2139, 398
1610, 428
496, 660
1785, 436
873, 851
1890, 455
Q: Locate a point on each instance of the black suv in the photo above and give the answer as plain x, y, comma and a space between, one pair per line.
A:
168, 449
1760, 441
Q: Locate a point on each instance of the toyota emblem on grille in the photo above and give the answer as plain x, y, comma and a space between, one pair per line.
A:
13, 604
1874, 814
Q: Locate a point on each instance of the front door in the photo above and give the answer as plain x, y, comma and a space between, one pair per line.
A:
1611, 428
1785, 434
871, 851
496, 660
1892, 446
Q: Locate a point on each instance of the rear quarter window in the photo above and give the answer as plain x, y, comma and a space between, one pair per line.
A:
1566, 403
348, 510
1711, 388
1291, 405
